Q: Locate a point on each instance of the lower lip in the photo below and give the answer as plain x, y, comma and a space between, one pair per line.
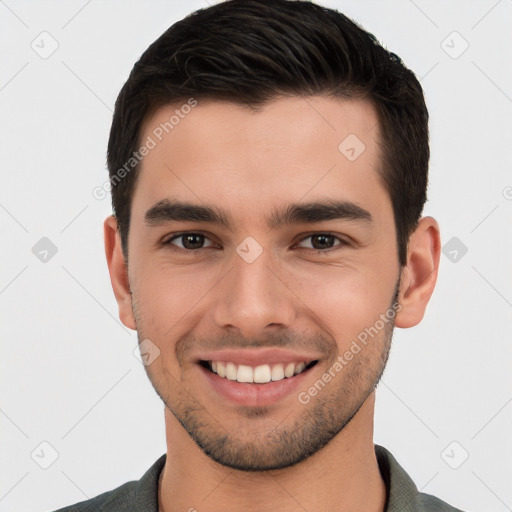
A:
254, 395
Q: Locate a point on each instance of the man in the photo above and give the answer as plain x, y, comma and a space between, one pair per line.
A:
268, 163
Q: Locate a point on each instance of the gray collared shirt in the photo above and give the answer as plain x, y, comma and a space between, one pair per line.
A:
142, 495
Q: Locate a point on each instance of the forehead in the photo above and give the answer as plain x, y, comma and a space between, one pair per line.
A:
289, 149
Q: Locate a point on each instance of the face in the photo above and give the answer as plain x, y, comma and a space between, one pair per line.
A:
262, 248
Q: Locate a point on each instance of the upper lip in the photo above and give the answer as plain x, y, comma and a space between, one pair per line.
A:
257, 356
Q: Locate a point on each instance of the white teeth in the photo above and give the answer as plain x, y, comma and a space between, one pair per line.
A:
231, 371
221, 369
277, 372
260, 375
244, 374
289, 370
300, 367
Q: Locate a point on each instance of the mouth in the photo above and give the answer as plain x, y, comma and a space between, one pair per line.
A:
261, 374
255, 377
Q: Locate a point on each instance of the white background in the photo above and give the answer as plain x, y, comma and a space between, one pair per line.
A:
68, 374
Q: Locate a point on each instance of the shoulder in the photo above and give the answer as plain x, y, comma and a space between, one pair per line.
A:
430, 503
116, 500
137, 495
403, 495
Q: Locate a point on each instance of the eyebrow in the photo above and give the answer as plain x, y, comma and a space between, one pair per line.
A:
168, 210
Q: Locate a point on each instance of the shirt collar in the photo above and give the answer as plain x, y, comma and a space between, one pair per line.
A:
401, 493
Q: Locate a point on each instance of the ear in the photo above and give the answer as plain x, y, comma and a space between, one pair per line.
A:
118, 270
419, 275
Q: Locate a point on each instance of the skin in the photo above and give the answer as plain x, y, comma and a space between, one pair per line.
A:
286, 456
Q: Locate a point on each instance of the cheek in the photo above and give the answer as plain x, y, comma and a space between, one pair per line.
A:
345, 301
168, 300
162, 302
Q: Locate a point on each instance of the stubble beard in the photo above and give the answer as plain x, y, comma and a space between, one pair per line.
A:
263, 448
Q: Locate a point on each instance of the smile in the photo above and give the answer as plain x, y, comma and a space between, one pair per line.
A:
260, 374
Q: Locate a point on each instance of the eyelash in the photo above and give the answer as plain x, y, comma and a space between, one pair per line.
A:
168, 243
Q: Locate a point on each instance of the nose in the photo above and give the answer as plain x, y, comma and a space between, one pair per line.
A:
253, 297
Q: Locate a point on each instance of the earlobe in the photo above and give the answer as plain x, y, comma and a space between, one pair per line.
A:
419, 275
118, 270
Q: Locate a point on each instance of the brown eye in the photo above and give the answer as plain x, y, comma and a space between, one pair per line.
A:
322, 242
189, 241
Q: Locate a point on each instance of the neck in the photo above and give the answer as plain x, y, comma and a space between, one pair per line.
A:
343, 475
